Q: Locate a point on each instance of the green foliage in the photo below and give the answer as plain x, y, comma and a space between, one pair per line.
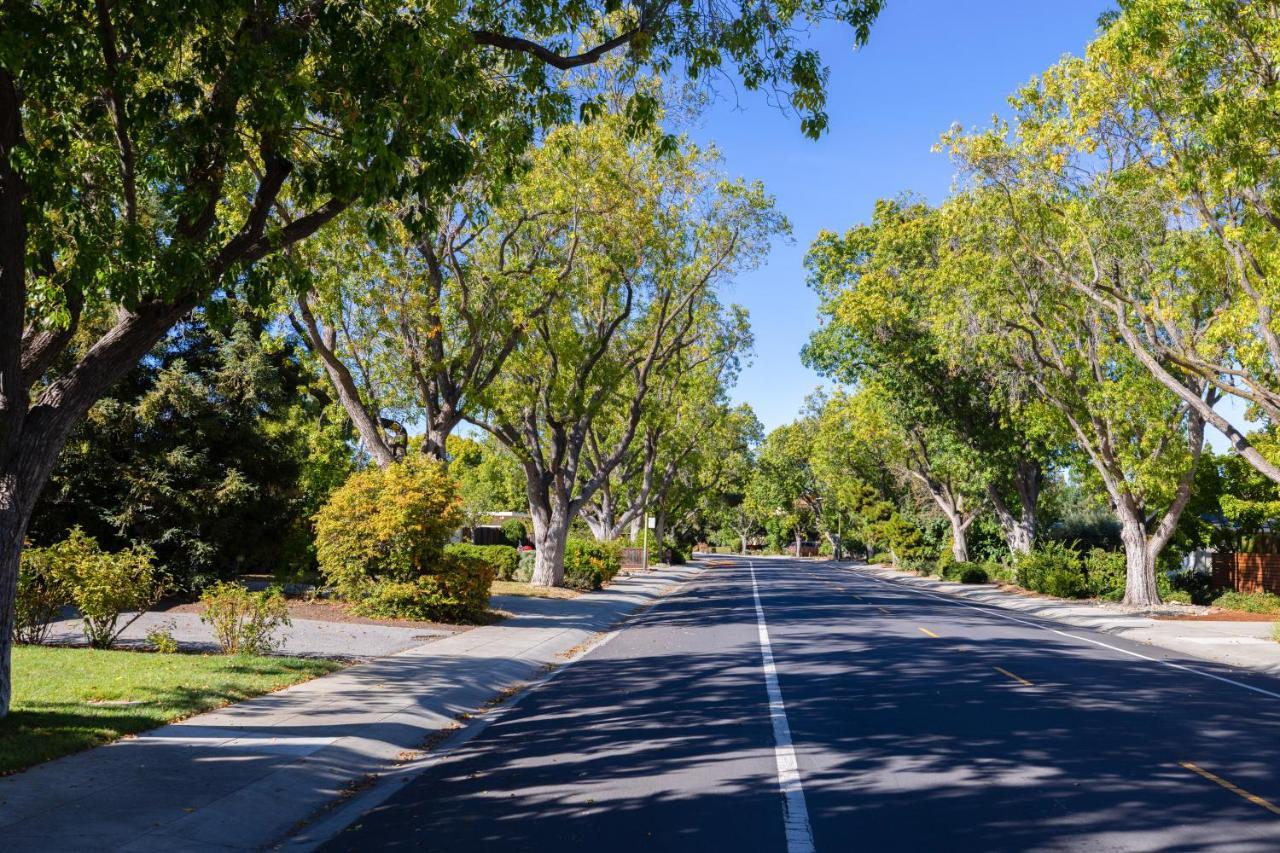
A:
676, 555
1106, 574
458, 592
1249, 602
244, 622
161, 639
514, 531
524, 571
974, 574
390, 523
589, 564
502, 559
42, 592
883, 557
214, 451
1197, 585
102, 585
1052, 569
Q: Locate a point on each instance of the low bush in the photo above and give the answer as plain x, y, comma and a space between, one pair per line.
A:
1197, 585
1177, 596
524, 570
42, 593
1053, 569
101, 584
457, 593
503, 559
244, 622
514, 532
589, 564
1105, 573
676, 556
974, 574
386, 523
1249, 602
161, 639
880, 557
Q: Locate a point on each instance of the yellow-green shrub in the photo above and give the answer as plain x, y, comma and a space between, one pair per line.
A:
244, 622
387, 523
101, 584
458, 592
589, 564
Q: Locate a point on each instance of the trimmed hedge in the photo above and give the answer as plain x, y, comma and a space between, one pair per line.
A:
457, 593
504, 559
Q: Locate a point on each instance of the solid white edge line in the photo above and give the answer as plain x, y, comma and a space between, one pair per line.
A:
992, 611
795, 815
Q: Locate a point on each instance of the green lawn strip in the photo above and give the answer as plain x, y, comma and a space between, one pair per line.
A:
57, 691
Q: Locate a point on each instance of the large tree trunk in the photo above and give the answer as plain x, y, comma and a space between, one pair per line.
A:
550, 533
743, 537
12, 529
1020, 530
798, 540
959, 536
1140, 564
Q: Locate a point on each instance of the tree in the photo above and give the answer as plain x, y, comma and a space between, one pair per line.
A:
489, 478
963, 437
729, 464
997, 305
641, 295
683, 418
214, 452
1162, 128
151, 156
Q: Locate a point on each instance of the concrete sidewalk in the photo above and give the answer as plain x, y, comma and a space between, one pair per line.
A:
246, 776
1240, 644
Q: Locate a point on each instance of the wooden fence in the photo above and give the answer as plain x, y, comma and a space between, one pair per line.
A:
1247, 572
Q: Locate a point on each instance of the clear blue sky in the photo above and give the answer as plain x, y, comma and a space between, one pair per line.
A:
929, 64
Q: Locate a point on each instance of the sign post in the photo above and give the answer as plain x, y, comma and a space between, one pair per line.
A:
644, 552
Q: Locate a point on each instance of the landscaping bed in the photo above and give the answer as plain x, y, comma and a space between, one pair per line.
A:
66, 700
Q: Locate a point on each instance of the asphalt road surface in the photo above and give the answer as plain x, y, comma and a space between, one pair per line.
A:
788, 706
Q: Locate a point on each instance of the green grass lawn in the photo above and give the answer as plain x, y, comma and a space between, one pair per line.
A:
66, 700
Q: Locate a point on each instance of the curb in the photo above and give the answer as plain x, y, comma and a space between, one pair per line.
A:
331, 821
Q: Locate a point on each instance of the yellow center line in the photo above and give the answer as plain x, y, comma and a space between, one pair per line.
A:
1235, 789
929, 633
882, 609
1016, 678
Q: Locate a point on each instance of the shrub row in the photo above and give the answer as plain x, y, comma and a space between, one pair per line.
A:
503, 559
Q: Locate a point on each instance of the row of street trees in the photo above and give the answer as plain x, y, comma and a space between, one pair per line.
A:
1103, 276
158, 158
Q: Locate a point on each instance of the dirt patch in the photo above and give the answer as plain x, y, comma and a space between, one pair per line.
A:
339, 611
518, 588
1218, 616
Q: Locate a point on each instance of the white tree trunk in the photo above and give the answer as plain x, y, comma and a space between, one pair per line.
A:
959, 537
1140, 565
550, 533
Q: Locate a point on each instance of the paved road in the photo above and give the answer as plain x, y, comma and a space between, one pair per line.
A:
904, 721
